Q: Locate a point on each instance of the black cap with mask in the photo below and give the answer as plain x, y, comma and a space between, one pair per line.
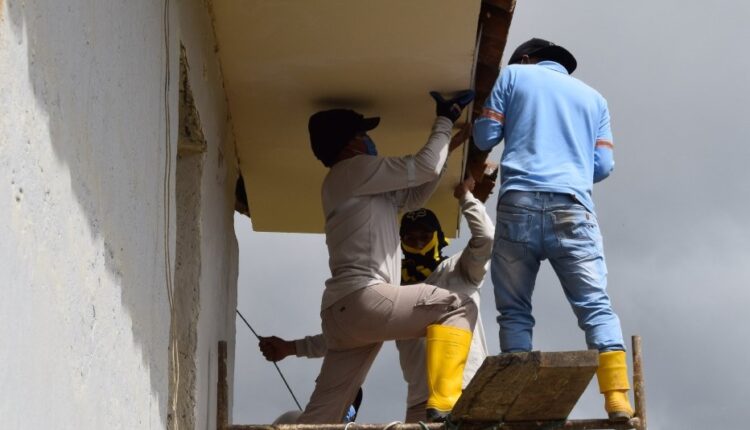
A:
331, 130
417, 265
544, 50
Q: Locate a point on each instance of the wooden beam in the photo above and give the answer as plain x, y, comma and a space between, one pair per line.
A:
493, 25
507, 5
222, 390
494, 22
639, 386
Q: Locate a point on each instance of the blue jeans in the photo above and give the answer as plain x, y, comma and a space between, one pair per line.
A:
531, 227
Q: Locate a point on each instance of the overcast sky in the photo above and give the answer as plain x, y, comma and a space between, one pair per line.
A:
674, 217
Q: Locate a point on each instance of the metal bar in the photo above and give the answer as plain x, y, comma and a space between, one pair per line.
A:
352, 426
600, 424
222, 390
639, 389
289, 388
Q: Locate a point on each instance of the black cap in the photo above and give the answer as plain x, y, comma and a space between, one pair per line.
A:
426, 219
331, 130
544, 50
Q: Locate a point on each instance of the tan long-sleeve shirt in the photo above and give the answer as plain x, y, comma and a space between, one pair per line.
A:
362, 197
462, 273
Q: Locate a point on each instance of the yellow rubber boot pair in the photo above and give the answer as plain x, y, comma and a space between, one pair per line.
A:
612, 375
447, 348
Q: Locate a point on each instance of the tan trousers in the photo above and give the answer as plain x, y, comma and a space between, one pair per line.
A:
356, 326
411, 354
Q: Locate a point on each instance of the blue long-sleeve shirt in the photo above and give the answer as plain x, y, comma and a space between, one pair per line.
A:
556, 129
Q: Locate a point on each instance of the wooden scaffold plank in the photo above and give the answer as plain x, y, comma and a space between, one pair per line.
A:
520, 386
528, 386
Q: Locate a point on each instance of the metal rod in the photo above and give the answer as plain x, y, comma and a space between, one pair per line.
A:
639, 389
247, 324
600, 424
274, 363
596, 424
222, 390
352, 426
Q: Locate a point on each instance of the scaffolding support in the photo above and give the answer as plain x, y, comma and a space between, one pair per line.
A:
638, 422
639, 386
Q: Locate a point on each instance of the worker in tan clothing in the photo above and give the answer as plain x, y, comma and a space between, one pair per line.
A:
422, 241
362, 303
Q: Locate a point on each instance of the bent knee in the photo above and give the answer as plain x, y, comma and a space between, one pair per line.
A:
464, 315
471, 309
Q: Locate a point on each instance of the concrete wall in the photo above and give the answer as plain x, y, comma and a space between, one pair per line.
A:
219, 252
87, 199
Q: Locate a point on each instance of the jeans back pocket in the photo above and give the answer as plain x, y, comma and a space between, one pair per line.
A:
577, 232
513, 227
511, 235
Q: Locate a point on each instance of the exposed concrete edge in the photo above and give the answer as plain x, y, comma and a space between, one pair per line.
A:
212, 17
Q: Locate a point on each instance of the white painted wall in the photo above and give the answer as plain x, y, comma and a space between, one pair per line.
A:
219, 250
84, 311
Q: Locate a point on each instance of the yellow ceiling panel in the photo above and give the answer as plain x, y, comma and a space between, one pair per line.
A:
283, 60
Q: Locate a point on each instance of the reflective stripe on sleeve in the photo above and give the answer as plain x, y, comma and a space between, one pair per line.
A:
605, 143
411, 171
493, 115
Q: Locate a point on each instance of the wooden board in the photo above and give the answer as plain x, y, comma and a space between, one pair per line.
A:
528, 386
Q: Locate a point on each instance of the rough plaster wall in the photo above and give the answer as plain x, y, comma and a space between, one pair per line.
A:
186, 284
84, 316
219, 251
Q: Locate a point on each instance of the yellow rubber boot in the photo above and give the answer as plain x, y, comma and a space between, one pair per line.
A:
447, 348
613, 383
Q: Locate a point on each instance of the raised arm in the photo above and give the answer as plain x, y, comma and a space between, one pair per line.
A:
412, 199
489, 127
384, 174
476, 255
376, 175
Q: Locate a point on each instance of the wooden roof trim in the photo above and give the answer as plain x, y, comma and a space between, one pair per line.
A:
507, 5
495, 17
494, 23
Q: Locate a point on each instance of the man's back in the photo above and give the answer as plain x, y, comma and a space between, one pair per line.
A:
557, 144
551, 123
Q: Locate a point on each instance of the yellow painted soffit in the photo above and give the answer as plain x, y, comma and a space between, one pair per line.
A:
286, 59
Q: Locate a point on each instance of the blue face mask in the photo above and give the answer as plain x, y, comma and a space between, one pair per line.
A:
370, 148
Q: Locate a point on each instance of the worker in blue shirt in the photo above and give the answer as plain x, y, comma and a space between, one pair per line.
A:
558, 143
